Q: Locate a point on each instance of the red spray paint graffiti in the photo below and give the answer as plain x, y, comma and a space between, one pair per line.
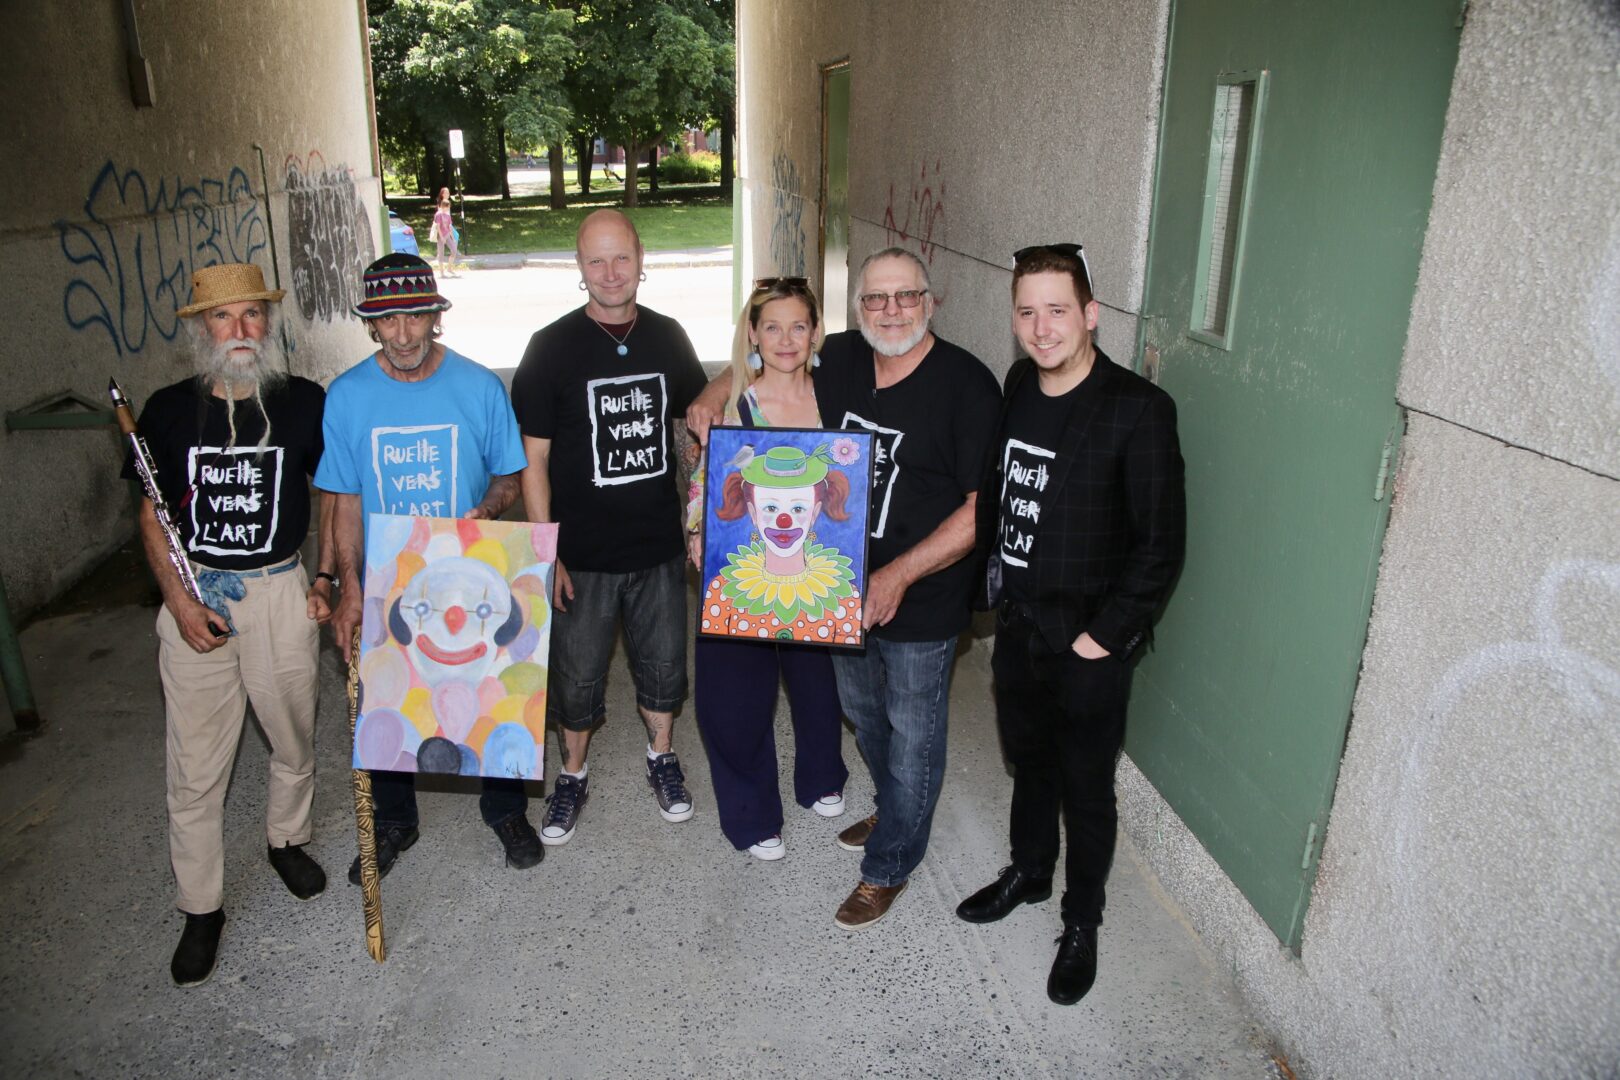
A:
924, 214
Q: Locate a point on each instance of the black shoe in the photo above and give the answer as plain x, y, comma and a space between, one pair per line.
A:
301, 874
199, 943
521, 842
997, 899
391, 840
1075, 968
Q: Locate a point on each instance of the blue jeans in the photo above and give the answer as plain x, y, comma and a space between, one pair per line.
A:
897, 694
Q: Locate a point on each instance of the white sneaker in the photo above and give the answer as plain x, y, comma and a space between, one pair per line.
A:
829, 805
768, 850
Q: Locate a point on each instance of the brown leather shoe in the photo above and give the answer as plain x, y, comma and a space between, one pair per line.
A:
867, 904
854, 837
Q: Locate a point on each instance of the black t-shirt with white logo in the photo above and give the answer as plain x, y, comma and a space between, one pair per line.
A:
932, 432
613, 491
237, 507
1028, 452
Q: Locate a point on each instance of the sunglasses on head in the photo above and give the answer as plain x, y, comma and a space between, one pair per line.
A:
1073, 251
765, 283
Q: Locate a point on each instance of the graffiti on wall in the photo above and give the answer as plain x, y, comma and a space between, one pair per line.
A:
787, 215
918, 218
133, 254
1504, 780
329, 236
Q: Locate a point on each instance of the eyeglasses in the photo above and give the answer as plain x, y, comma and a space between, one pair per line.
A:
1073, 251
906, 298
765, 284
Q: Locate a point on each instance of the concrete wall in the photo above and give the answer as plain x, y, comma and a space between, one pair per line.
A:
1465, 920
957, 150
110, 207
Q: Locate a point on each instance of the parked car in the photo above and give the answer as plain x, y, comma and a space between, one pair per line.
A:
401, 237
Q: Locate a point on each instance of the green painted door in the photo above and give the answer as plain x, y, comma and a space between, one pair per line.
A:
835, 198
1297, 158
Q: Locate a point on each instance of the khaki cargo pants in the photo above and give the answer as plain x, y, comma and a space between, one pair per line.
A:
271, 662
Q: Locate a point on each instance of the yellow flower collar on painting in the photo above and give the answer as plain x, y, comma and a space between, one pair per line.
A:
826, 578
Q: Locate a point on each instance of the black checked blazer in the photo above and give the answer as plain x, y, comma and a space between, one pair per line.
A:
1113, 525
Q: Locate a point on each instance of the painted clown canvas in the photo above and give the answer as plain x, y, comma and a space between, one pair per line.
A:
784, 535
454, 643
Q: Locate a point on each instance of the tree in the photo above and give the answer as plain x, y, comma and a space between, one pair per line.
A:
488, 67
644, 70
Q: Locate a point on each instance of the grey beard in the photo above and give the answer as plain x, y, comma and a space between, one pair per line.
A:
883, 348
265, 371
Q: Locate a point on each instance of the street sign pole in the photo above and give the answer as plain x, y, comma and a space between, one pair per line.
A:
458, 150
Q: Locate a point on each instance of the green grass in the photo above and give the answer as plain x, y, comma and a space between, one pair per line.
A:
679, 216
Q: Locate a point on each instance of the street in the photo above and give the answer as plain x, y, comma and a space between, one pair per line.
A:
496, 310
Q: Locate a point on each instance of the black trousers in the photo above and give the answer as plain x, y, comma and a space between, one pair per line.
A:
1062, 723
394, 799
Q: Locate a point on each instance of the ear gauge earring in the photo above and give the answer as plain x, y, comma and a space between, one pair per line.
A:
755, 363
581, 284
815, 359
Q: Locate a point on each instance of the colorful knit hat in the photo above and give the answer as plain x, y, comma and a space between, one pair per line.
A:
399, 284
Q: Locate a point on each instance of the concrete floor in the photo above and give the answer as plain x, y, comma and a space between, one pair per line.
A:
641, 949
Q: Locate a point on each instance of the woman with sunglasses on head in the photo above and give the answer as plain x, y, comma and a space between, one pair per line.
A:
736, 680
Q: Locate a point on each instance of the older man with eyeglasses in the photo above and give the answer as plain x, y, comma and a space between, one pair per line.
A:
932, 408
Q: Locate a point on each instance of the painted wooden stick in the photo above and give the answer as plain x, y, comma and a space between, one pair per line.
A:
365, 822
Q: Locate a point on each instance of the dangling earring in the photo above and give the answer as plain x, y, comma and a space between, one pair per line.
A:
753, 538
581, 284
815, 359
755, 363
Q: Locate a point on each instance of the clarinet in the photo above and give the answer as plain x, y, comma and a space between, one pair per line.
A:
148, 474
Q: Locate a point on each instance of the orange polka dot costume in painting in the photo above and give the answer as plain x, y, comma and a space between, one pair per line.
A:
839, 623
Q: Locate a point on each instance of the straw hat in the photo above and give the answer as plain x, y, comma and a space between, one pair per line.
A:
399, 284
228, 283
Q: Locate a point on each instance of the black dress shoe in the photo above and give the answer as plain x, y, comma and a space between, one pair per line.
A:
301, 874
391, 840
997, 899
1075, 968
521, 842
199, 943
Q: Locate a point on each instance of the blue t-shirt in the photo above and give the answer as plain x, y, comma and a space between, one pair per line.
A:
426, 448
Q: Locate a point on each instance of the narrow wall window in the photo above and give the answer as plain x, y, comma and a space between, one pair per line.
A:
1234, 144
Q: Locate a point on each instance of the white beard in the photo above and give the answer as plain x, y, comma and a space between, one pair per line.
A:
900, 348
219, 363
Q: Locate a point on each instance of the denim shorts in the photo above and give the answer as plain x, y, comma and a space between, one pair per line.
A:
651, 604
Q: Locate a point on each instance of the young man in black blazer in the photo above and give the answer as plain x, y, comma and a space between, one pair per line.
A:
1081, 539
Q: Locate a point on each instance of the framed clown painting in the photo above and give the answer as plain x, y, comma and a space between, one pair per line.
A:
454, 644
784, 535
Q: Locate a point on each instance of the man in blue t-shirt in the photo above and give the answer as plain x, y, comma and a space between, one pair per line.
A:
417, 429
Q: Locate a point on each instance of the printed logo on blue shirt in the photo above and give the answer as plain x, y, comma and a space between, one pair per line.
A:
415, 469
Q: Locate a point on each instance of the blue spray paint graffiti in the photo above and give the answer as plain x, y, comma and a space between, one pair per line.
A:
135, 252
787, 207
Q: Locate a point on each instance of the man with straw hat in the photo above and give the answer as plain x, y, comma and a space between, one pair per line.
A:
234, 446
417, 429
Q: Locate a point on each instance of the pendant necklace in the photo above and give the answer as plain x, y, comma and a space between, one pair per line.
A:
623, 349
